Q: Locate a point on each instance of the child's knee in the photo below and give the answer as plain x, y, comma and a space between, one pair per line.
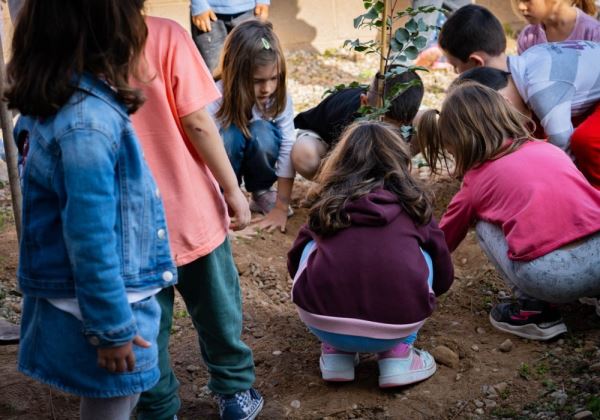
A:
306, 156
265, 133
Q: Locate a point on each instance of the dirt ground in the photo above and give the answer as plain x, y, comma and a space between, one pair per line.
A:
530, 380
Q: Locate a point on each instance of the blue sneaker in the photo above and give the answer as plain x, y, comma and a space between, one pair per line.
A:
243, 405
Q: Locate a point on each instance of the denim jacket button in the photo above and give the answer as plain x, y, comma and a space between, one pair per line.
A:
167, 276
93, 340
161, 234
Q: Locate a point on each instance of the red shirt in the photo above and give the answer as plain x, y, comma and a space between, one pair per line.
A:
535, 194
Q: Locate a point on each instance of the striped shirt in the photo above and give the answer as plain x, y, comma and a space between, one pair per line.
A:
558, 81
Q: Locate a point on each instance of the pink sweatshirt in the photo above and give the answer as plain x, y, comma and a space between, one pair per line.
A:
586, 29
536, 194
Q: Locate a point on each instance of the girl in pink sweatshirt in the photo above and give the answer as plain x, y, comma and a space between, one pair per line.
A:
536, 217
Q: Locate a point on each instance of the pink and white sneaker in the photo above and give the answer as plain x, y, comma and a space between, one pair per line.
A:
403, 365
337, 366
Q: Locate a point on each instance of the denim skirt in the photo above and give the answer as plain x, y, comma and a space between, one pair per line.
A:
53, 350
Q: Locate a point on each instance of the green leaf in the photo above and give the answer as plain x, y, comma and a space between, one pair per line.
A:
411, 52
412, 26
420, 42
401, 35
379, 6
395, 45
422, 25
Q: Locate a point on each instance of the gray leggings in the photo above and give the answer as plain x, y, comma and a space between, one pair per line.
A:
117, 408
561, 276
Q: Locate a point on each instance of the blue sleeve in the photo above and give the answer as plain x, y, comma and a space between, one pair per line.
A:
89, 217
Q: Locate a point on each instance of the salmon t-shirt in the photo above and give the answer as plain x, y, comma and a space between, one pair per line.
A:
178, 84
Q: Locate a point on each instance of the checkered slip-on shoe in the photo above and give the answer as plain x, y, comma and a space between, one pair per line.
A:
243, 405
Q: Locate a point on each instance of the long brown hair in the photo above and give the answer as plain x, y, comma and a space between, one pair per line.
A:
369, 155
473, 125
55, 41
250, 44
588, 6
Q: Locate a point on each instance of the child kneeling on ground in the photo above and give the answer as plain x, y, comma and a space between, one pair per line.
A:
536, 217
319, 128
371, 259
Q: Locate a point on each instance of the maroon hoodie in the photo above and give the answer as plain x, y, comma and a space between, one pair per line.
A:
370, 279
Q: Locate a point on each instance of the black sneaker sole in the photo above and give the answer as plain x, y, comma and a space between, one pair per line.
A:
531, 331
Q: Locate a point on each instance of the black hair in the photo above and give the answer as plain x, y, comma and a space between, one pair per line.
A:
472, 28
55, 41
487, 76
406, 105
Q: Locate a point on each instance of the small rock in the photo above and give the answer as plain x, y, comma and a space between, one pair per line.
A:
506, 346
480, 330
458, 376
595, 367
501, 387
479, 411
295, 404
474, 347
478, 403
561, 342
277, 353
192, 368
583, 415
560, 398
489, 391
445, 356
489, 403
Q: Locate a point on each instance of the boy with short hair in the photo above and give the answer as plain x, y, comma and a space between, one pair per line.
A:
555, 82
321, 126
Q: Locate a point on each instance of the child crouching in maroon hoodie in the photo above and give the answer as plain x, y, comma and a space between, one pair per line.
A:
371, 260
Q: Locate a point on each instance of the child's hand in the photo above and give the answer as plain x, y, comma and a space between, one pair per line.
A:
238, 208
120, 359
202, 21
261, 11
277, 218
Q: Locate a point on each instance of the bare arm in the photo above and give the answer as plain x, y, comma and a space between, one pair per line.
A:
204, 135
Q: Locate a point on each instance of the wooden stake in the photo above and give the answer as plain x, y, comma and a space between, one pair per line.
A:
384, 50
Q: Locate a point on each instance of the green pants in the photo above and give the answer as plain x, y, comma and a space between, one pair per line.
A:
211, 290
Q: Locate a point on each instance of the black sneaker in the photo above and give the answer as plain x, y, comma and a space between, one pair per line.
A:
530, 319
244, 405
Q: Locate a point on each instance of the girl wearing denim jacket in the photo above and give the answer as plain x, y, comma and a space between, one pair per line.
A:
94, 249
256, 118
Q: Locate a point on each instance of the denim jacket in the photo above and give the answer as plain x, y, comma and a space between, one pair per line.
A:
93, 222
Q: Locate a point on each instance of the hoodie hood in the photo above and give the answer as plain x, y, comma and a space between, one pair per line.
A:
378, 208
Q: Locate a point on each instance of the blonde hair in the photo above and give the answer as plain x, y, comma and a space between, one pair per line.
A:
587, 6
369, 155
250, 44
473, 126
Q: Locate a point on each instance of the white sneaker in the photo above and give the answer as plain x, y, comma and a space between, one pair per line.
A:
337, 366
417, 366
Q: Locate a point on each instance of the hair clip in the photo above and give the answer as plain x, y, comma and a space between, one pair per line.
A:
407, 131
266, 44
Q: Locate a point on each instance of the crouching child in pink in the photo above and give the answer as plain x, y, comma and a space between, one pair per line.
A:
369, 263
